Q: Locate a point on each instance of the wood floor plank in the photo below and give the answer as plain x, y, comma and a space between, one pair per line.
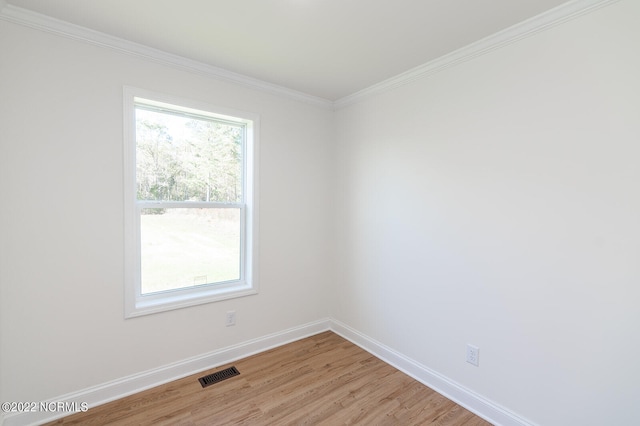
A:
320, 380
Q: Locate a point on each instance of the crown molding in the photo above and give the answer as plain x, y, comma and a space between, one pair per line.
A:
55, 26
524, 29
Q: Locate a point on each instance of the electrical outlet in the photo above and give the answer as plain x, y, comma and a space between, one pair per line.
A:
231, 318
473, 355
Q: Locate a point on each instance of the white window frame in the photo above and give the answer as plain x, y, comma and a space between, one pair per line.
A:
137, 304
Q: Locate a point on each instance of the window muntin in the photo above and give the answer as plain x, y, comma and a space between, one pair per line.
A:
190, 204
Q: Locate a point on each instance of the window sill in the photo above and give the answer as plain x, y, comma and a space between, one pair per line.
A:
155, 303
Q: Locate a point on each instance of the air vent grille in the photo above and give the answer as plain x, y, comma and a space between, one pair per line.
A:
218, 376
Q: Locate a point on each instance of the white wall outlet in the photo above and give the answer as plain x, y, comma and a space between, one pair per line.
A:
473, 354
231, 318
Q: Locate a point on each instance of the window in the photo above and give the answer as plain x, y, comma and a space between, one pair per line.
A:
190, 203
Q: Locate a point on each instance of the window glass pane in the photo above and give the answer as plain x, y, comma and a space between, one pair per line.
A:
181, 158
186, 247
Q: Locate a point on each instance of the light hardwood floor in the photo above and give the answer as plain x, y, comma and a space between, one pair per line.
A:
320, 380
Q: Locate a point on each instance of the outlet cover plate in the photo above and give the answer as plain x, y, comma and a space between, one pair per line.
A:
473, 355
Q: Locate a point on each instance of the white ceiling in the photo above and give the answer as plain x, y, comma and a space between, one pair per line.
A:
326, 48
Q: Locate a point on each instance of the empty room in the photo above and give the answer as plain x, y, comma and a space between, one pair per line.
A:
328, 211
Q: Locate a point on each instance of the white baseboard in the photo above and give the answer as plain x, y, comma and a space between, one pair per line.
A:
129, 385
116, 389
488, 410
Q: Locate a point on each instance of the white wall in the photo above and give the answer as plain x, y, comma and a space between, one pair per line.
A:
61, 229
497, 203
494, 203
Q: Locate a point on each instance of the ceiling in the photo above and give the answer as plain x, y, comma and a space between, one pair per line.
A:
325, 48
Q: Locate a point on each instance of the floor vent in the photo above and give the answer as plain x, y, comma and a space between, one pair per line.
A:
218, 376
